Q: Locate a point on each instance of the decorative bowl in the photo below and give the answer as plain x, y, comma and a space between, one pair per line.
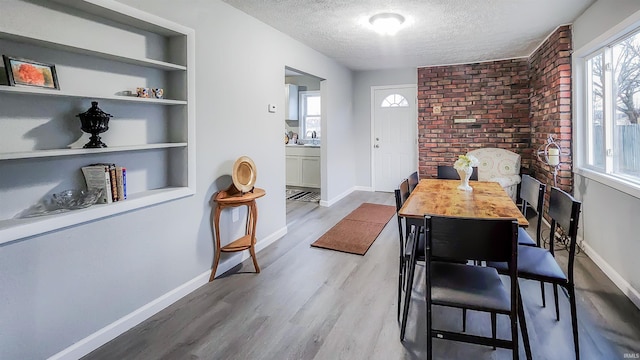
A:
63, 201
244, 174
75, 199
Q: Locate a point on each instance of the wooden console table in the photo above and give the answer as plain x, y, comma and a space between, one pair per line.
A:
233, 198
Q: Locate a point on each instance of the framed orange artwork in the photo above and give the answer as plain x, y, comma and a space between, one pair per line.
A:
24, 72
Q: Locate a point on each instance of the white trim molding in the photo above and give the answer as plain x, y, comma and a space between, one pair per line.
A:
607, 269
612, 274
330, 202
118, 327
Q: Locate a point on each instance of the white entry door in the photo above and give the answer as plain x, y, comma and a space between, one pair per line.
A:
395, 141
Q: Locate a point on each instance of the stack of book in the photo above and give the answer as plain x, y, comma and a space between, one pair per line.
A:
109, 177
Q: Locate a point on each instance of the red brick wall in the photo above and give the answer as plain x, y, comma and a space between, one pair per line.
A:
516, 103
496, 94
550, 77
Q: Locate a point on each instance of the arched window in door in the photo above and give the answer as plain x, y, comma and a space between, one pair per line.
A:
394, 100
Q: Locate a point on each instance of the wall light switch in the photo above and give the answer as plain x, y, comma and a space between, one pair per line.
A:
272, 108
437, 109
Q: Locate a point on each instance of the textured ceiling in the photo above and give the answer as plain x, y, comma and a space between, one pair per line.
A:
437, 32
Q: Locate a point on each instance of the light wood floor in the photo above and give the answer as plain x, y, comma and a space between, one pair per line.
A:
311, 303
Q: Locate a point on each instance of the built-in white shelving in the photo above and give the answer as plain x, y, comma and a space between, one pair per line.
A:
21, 90
82, 151
106, 48
13, 229
94, 53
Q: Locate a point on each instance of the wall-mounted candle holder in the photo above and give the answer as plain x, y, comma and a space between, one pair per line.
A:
550, 153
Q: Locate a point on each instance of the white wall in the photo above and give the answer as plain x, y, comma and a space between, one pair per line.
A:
600, 17
363, 81
609, 216
59, 288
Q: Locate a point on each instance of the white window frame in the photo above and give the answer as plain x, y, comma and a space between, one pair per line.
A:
303, 104
581, 112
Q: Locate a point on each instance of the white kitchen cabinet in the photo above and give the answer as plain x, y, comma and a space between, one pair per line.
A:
104, 51
303, 166
293, 170
310, 171
291, 99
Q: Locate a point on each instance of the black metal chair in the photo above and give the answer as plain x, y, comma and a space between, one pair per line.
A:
405, 233
532, 194
413, 181
413, 253
449, 172
535, 263
469, 286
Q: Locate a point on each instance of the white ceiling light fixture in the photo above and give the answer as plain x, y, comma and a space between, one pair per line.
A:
386, 23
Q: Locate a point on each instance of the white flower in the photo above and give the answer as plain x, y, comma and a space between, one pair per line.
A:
465, 162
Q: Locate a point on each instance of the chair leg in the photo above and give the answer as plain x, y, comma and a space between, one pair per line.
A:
493, 328
429, 331
555, 298
464, 320
400, 283
574, 320
523, 328
514, 338
406, 275
407, 295
544, 300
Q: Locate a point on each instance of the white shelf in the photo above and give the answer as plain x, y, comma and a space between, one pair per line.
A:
82, 151
102, 30
126, 15
94, 53
15, 229
25, 90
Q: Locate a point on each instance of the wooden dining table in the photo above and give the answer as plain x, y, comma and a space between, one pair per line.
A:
443, 198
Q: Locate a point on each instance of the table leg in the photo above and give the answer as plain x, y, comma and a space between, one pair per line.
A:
216, 225
253, 219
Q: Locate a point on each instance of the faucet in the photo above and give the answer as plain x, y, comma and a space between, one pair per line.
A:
314, 136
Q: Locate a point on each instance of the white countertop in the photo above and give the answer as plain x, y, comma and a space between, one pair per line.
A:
302, 146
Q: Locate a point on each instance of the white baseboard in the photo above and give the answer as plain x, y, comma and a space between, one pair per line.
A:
118, 327
612, 274
363, 188
609, 271
344, 194
337, 198
111, 331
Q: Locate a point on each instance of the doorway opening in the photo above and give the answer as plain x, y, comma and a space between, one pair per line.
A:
303, 142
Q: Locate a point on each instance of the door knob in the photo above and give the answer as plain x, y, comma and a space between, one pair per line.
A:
376, 146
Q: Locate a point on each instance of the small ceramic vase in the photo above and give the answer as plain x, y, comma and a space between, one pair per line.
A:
158, 93
465, 175
142, 92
